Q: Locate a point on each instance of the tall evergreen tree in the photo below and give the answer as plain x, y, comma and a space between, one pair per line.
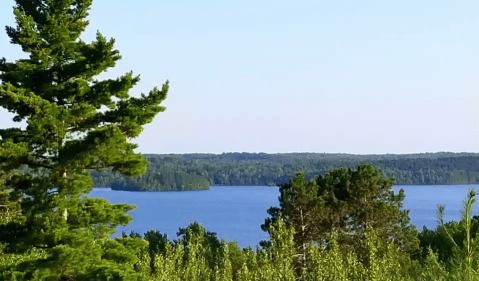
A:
344, 203
74, 123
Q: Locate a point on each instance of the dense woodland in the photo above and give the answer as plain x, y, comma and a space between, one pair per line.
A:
179, 172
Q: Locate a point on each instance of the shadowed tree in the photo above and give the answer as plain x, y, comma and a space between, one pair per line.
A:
74, 123
344, 202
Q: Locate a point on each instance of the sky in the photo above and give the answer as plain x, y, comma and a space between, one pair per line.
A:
362, 77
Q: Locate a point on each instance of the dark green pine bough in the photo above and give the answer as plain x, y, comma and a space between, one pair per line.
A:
74, 124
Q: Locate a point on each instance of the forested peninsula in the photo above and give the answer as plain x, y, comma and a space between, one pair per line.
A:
184, 172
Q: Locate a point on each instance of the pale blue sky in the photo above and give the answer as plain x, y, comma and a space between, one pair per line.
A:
297, 76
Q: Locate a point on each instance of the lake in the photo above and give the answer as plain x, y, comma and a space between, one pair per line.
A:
235, 213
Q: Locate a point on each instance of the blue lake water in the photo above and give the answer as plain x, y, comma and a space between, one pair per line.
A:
235, 213
422, 202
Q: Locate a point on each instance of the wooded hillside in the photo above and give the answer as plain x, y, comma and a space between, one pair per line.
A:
179, 172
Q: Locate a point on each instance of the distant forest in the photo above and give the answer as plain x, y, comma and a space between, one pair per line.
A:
182, 172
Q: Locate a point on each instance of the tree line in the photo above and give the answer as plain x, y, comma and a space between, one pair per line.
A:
347, 224
180, 172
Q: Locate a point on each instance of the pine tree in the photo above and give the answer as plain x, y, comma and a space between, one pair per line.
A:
75, 123
344, 202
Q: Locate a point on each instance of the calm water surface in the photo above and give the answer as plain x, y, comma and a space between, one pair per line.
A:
235, 213
422, 201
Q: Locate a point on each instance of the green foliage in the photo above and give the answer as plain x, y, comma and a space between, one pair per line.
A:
337, 262
49, 229
189, 259
432, 269
177, 172
453, 246
349, 202
166, 180
210, 244
439, 239
9, 203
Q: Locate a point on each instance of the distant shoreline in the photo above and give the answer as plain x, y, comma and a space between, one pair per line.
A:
395, 185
